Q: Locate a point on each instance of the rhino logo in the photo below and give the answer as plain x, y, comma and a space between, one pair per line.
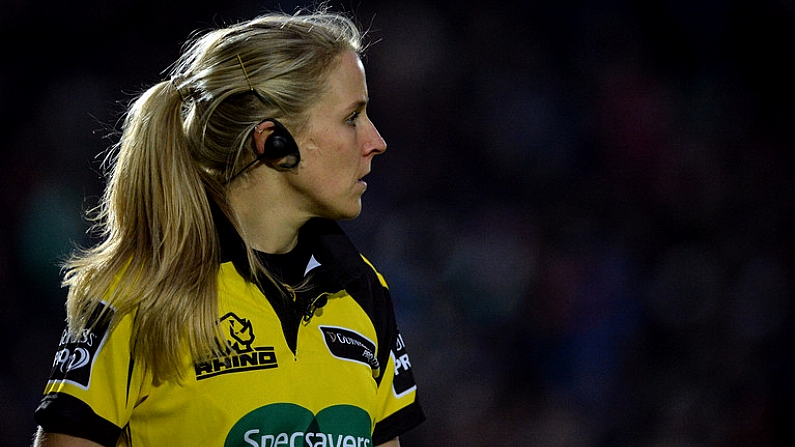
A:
240, 333
240, 355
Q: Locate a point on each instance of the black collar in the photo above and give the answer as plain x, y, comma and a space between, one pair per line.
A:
338, 266
338, 259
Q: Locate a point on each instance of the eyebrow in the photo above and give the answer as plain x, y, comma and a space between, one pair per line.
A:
360, 104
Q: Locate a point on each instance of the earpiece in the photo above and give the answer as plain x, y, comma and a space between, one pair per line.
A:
280, 144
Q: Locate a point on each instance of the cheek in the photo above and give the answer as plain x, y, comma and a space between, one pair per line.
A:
330, 160
333, 161
323, 173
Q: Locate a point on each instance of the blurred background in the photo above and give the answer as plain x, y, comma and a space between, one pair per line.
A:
585, 212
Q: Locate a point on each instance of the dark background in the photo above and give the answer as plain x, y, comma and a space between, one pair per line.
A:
584, 213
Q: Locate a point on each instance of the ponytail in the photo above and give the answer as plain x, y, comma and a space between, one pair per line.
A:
159, 254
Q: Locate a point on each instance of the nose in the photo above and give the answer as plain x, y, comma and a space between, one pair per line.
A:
375, 142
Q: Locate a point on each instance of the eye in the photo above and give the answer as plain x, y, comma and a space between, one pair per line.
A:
353, 118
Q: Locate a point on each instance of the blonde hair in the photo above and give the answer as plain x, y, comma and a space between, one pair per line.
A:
181, 141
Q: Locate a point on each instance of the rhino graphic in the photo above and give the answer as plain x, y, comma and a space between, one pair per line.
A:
241, 333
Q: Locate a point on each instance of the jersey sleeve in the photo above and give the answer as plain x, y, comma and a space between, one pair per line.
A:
399, 409
93, 385
398, 406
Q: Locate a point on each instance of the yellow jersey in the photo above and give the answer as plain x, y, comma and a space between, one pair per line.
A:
335, 375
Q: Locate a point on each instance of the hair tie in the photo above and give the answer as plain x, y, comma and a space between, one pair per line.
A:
176, 87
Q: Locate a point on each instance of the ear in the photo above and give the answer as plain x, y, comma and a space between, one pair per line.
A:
262, 131
275, 146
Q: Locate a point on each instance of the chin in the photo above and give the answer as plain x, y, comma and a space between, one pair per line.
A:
349, 213
350, 216
353, 211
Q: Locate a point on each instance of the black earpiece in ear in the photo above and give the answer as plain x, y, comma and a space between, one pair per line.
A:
280, 144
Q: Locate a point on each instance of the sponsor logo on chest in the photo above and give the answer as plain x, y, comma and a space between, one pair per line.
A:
350, 345
242, 354
287, 424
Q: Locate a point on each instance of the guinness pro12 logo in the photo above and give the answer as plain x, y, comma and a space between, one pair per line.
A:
77, 352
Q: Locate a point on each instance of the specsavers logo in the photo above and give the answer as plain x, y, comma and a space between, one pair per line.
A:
290, 425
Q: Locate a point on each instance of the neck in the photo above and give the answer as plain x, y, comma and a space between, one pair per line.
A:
273, 238
271, 228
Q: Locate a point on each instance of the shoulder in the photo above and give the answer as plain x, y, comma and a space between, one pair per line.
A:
374, 270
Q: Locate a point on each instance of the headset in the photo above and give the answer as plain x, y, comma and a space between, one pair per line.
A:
280, 144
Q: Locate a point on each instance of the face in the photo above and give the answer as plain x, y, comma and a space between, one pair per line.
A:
337, 146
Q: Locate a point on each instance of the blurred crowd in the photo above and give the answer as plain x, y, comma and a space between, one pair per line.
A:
584, 214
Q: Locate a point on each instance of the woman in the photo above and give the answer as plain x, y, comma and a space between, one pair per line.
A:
224, 306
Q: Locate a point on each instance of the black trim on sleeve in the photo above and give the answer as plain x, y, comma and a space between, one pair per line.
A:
398, 423
67, 415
